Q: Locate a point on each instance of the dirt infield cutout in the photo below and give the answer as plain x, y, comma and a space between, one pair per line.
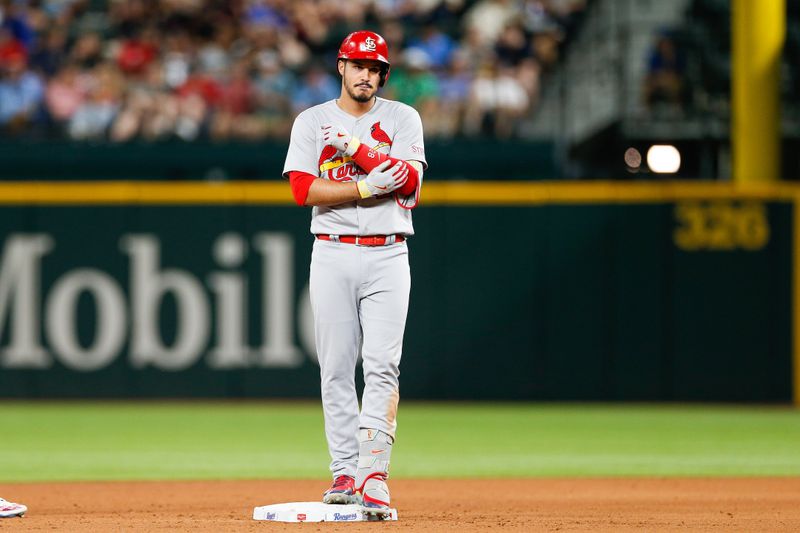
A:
629, 504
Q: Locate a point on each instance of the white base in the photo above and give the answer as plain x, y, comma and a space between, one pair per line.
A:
316, 512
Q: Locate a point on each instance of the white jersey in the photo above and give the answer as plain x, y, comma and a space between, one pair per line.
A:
389, 127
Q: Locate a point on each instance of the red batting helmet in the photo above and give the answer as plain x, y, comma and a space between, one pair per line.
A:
366, 45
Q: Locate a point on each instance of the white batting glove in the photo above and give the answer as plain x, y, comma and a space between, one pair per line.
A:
338, 137
383, 179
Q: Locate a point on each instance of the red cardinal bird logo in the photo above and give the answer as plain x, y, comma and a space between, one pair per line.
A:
379, 135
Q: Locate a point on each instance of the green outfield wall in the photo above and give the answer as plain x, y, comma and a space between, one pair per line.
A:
545, 291
206, 160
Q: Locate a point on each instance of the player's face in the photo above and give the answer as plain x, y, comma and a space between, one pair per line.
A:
360, 78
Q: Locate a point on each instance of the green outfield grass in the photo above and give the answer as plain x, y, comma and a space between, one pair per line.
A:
206, 440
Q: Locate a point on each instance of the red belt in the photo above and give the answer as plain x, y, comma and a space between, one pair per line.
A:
366, 240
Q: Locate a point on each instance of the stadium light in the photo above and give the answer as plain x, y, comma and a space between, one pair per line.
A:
663, 159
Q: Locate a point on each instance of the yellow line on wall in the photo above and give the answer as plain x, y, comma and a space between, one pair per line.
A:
130, 192
434, 193
538, 193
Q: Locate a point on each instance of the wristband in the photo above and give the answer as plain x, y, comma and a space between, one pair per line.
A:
352, 146
363, 189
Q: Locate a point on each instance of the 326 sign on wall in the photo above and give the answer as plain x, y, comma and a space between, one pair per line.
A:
721, 226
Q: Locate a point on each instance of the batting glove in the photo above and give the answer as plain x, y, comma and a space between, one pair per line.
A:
384, 179
338, 137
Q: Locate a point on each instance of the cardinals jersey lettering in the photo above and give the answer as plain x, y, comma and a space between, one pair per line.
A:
391, 128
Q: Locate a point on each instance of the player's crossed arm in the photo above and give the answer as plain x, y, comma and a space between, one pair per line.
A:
385, 174
311, 190
383, 179
368, 159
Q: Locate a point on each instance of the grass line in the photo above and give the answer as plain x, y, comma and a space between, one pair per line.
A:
206, 440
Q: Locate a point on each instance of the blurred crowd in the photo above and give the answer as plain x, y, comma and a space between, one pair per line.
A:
689, 63
242, 69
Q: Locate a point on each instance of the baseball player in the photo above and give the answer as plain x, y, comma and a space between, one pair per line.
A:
358, 160
10, 509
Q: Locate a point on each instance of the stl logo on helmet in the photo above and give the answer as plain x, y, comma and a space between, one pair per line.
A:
369, 44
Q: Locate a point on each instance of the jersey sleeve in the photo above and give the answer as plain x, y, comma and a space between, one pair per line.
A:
302, 153
408, 143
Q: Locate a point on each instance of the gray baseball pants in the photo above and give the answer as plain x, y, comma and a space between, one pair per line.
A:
359, 296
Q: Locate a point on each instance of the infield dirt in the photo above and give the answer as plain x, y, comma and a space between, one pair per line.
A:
632, 504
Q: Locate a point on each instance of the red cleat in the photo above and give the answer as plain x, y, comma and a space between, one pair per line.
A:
341, 492
375, 495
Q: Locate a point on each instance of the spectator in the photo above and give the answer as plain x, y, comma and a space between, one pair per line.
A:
489, 17
497, 101
50, 52
178, 52
204, 85
545, 49
437, 45
401, 10
473, 44
138, 52
454, 88
213, 56
197, 97
273, 82
21, 94
664, 83
192, 116
395, 35
538, 17
10, 47
15, 19
414, 84
512, 45
310, 22
541, 19
529, 76
265, 13
60, 12
318, 86
294, 52
148, 110
444, 14
233, 115
87, 51
94, 115
567, 13
64, 95
272, 91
